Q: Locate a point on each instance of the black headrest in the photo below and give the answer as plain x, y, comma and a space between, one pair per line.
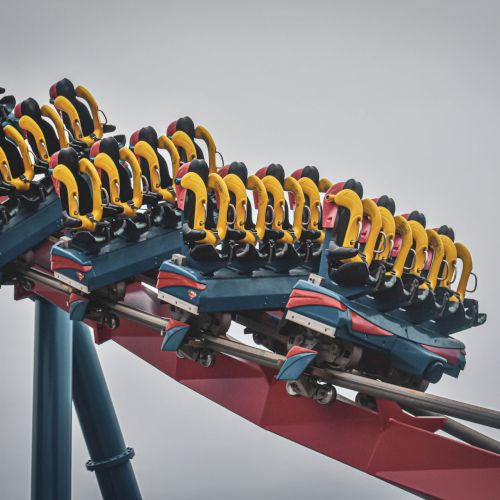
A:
110, 146
240, 169
69, 158
355, 186
387, 202
66, 88
418, 216
311, 173
2, 90
200, 167
447, 231
276, 170
149, 135
186, 124
31, 108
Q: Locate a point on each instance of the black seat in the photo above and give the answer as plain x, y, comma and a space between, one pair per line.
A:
149, 135
13, 155
110, 147
66, 89
342, 219
30, 107
186, 125
69, 158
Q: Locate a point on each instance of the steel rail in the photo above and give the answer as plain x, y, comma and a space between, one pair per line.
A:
407, 398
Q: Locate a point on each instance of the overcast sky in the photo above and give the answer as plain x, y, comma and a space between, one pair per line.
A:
401, 95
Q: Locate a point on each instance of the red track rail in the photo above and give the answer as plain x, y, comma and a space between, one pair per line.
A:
388, 444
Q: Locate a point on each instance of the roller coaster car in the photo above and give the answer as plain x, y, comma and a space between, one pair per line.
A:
29, 203
187, 126
80, 113
211, 280
113, 242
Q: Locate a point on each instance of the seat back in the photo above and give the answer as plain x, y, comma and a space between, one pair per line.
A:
78, 109
16, 166
43, 137
186, 125
154, 167
79, 187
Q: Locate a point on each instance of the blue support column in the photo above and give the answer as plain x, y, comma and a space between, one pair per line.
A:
52, 388
110, 458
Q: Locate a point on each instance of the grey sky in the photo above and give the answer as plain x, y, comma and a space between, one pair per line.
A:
401, 95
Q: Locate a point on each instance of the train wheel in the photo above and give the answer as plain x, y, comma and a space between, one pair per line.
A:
325, 394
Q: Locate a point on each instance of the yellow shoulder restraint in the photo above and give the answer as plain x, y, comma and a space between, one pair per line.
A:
403, 229
437, 257
371, 210
29, 125
64, 175
450, 261
194, 183
63, 104
235, 185
217, 184
274, 188
324, 185
291, 184
143, 150
347, 198
167, 144
201, 132
465, 256
21, 183
389, 232
127, 155
421, 243
254, 183
182, 140
312, 192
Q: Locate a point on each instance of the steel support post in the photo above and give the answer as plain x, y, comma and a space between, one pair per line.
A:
52, 387
110, 458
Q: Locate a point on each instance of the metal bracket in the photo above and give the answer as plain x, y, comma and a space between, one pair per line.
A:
108, 463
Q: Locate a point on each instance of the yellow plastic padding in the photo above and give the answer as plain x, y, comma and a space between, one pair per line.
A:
235, 185
420, 244
165, 143
312, 192
200, 132
403, 229
105, 163
50, 113
389, 228
291, 184
63, 104
127, 155
325, 185
450, 257
465, 256
63, 174
21, 183
274, 188
254, 183
347, 198
371, 210
194, 183
29, 125
143, 150
217, 184
437, 257
182, 140
90, 171
85, 94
